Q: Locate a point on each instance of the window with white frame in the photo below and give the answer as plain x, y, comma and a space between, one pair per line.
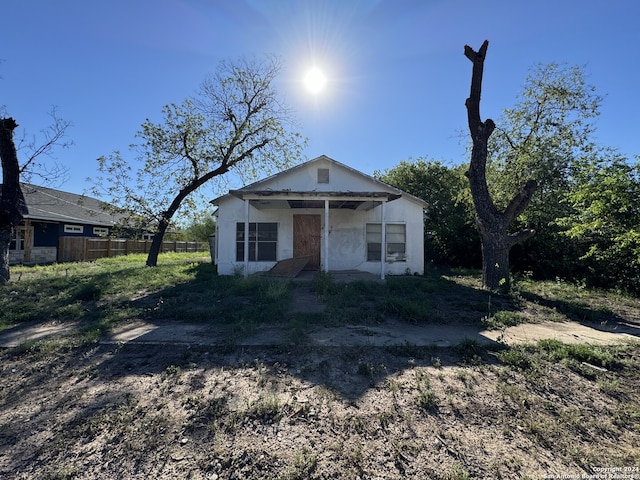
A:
17, 239
263, 242
396, 242
73, 229
101, 231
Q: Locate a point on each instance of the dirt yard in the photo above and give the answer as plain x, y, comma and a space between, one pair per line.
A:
447, 400
175, 411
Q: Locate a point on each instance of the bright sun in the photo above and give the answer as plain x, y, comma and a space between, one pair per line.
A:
315, 80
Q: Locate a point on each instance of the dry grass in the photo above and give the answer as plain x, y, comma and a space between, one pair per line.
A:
75, 409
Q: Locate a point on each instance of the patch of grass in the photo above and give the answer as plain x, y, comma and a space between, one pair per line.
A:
304, 464
577, 302
266, 409
426, 399
515, 357
76, 291
503, 319
299, 325
457, 472
411, 351
61, 473
532, 358
471, 351
409, 298
573, 354
413, 310
213, 412
172, 372
354, 303
322, 284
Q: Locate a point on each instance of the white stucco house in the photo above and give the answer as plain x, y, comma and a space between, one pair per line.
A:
338, 217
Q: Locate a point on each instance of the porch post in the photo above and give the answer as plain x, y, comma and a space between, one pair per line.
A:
246, 238
28, 241
325, 262
383, 247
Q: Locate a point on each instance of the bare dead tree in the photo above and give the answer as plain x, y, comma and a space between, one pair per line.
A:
492, 224
12, 204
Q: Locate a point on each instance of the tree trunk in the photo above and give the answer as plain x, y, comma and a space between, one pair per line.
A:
12, 204
156, 243
167, 215
495, 258
492, 224
5, 241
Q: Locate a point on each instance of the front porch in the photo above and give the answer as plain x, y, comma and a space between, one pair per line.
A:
321, 222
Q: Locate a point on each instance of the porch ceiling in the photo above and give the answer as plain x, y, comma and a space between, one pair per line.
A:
288, 199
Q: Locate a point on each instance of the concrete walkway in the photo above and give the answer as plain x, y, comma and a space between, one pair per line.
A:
386, 334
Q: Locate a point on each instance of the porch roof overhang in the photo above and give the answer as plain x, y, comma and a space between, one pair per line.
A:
290, 199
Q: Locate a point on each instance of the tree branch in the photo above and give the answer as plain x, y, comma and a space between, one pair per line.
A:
520, 201
521, 236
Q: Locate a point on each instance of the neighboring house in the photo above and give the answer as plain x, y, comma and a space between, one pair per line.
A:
340, 218
53, 214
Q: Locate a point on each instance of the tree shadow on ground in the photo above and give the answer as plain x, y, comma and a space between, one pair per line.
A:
102, 391
86, 402
602, 319
355, 335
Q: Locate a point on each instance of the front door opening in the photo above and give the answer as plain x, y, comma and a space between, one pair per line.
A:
307, 234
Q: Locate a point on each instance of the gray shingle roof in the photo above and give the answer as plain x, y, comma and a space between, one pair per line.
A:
55, 205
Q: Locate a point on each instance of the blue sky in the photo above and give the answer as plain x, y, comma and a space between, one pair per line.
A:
397, 84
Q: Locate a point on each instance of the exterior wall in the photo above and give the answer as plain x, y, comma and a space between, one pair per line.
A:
347, 228
347, 236
305, 178
45, 234
38, 255
86, 230
45, 237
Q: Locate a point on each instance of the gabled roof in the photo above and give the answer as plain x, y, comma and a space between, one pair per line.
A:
261, 184
48, 204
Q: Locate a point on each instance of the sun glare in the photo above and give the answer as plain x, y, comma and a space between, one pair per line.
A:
315, 81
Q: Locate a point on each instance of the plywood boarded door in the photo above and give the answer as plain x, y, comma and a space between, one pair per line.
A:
306, 239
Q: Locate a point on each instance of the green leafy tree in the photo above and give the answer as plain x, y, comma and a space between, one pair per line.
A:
450, 235
200, 227
545, 138
236, 123
606, 219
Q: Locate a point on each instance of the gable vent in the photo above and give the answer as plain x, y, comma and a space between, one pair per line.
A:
323, 175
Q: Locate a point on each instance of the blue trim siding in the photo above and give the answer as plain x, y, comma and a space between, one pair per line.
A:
46, 234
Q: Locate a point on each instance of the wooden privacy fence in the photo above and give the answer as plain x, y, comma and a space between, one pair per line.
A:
82, 249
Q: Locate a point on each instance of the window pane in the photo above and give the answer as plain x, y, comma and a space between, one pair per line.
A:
266, 251
262, 241
240, 251
396, 251
374, 232
395, 228
395, 233
268, 232
373, 252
